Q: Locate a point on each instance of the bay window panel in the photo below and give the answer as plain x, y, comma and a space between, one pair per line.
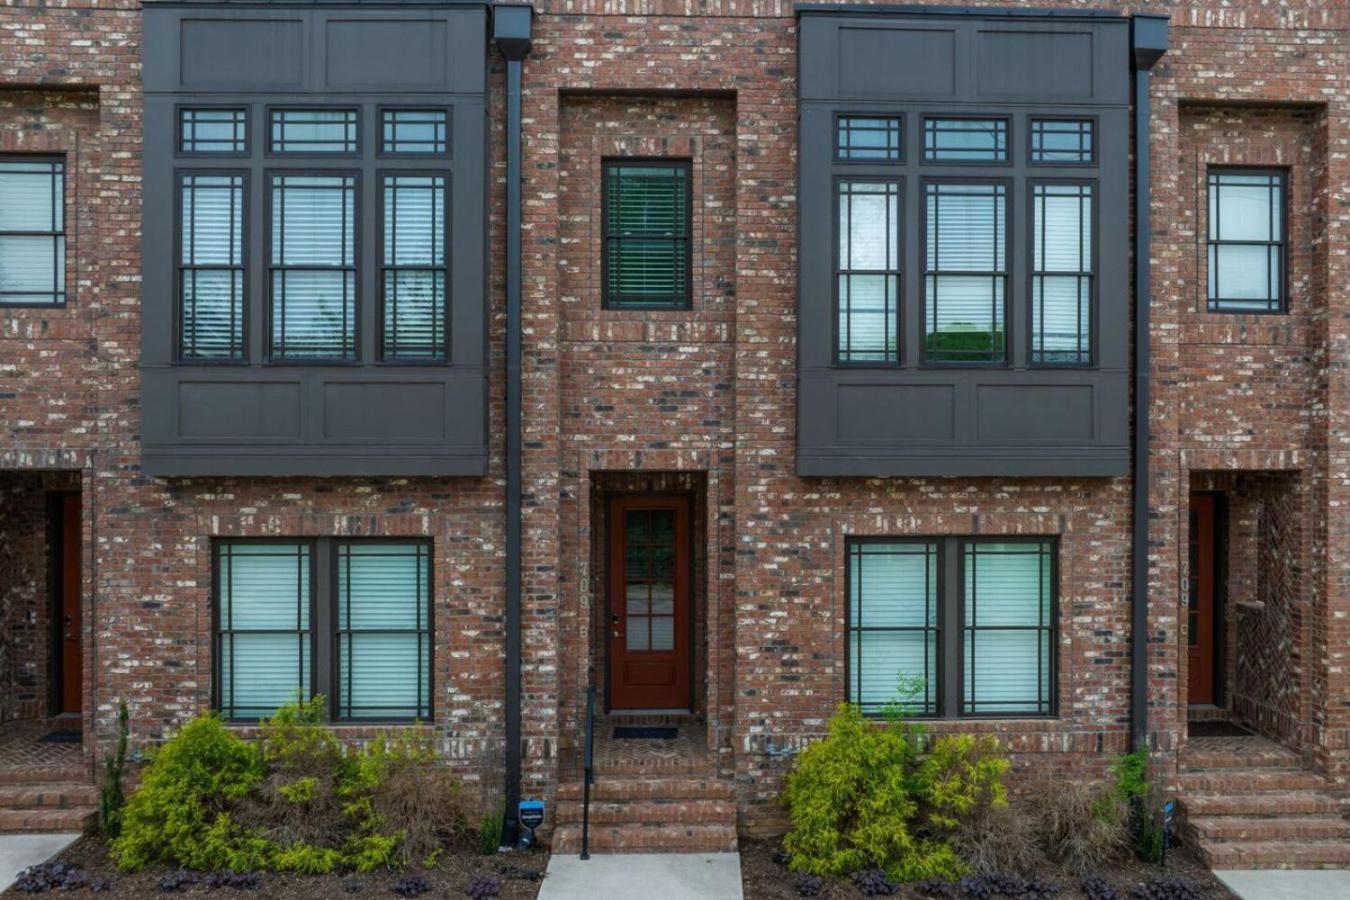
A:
868, 274
421, 131
965, 260
211, 267
313, 131
1062, 273
213, 130
414, 273
313, 278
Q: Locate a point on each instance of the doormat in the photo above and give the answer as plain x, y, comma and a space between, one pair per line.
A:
645, 732
61, 737
1216, 729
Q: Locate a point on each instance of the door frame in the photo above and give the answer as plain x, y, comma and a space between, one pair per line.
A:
1220, 590
56, 582
613, 503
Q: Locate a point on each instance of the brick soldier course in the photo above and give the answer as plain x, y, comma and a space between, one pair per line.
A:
704, 401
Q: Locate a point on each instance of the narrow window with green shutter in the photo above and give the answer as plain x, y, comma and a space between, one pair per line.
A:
647, 234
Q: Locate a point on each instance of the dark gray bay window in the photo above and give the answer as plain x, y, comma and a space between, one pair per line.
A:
32, 231
314, 292
1246, 240
952, 626
964, 308
348, 619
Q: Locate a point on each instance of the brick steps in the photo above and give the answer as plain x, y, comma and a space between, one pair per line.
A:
48, 795
606, 789
1278, 855
75, 818
1274, 804
1267, 828
46, 798
649, 813
1249, 781
648, 839
42, 775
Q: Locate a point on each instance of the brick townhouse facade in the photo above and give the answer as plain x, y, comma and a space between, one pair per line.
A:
759, 465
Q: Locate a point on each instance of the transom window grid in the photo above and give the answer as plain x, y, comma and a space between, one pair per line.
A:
312, 272
212, 130
421, 132
32, 231
317, 131
965, 139
1246, 241
965, 272
971, 622
414, 317
1062, 141
647, 234
868, 138
867, 274
211, 272
1062, 288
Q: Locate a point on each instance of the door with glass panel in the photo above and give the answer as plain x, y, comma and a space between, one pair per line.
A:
649, 604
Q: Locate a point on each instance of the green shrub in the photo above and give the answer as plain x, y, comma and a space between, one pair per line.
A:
111, 799
867, 797
490, 830
178, 814
1141, 802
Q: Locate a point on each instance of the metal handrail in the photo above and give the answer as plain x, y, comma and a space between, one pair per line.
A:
588, 775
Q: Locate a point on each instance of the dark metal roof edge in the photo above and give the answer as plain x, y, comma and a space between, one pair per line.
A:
990, 12
284, 4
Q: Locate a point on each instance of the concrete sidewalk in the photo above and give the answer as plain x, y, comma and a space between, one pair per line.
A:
1286, 884
19, 851
668, 876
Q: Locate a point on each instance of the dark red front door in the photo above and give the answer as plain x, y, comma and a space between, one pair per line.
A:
1200, 605
649, 602
72, 661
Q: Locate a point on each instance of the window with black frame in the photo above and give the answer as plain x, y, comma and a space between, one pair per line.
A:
314, 131
965, 272
413, 275
211, 267
32, 231
360, 636
1246, 240
648, 234
868, 138
975, 638
868, 271
1061, 273
313, 267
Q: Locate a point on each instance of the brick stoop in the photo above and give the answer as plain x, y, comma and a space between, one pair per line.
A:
1254, 807
46, 800
666, 813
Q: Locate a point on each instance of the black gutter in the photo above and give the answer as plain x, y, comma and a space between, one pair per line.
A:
511, 32
1148, 41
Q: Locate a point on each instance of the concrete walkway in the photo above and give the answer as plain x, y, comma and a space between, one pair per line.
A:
1286, 884
667, 876
19, 851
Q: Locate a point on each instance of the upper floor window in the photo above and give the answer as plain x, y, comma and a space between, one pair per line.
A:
1061, 140
362, 638
1061, 274
868, 270
313, 131
965, 271
213, 130
313, 267
1246, 240
32, 231
412, 279
648, 234
965, 140
211, 266
979, 644
869, 138
419, 131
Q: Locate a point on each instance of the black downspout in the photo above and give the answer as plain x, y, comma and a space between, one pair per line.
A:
511, 32
1148, 38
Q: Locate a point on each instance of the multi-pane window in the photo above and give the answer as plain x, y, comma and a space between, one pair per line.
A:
1007, 631
1061, 274
1246, 240
874, 138
313, 131
383, 660
211, 267
313, 267
868, 270
965, 272
419, 131
1061, 140
649, 579
414, 314
965, 140
893, 625
32, 231
359, 633
952, 626
647, 234
212, 130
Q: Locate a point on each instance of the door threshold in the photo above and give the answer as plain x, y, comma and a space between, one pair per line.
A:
649, 712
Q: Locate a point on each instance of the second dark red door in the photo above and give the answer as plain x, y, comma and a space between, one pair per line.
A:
649, 602
1200, 607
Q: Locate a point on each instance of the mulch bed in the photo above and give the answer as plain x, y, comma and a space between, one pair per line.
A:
518, 875
765, 878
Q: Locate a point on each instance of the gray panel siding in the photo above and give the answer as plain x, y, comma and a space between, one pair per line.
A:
264, 416
914, 417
